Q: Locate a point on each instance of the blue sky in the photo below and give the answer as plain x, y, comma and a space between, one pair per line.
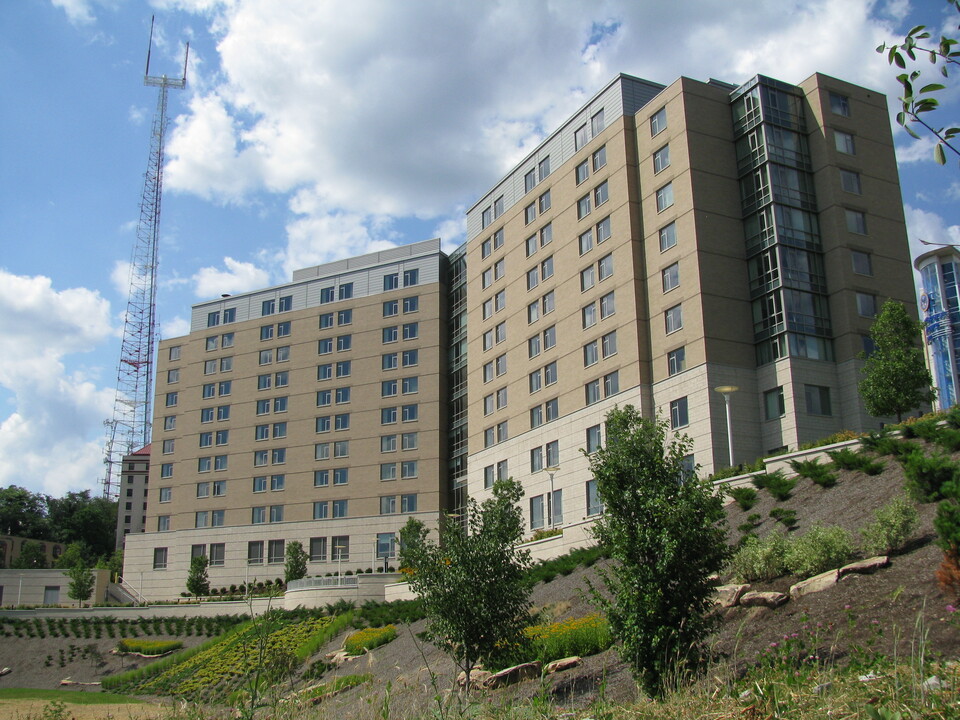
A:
311, 130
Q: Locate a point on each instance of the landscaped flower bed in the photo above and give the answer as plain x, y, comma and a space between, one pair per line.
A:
148, 647
368, 639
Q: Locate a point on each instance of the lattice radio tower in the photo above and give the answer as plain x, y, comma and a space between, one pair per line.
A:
129, 428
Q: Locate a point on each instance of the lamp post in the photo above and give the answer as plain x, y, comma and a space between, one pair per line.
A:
727, 391
551, 515
20, 590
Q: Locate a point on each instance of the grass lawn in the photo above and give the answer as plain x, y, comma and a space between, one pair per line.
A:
72, 697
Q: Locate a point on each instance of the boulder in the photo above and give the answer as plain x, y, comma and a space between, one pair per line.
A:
563, 664
729, 595
477, 678
515, 674
865, 567
763, 599
814, 584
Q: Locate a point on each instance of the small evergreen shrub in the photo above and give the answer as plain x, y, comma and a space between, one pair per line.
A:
745, 497
813, 470
925, 429
949, 439
891, 528
368, 639
148, 647
953, 417
818, 550
787, 517
927, 474
760, 559
848, 459
776, 483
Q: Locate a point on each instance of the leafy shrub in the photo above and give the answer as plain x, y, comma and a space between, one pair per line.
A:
378, 614
745, 497
818, 550
787, 517
948, 439
760, 559
547, 570
812, 469
851, 460
953, 417
925, 429
883, 443
148, 647
368, 639
581, 636
927, 474
893, 525
776, 483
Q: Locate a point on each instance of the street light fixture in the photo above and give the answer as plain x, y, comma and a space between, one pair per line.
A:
727, 391
550, 471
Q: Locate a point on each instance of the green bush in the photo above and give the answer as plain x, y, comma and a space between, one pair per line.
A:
580, 636
776, 483
928, 429
148, 647
787, 517
891, 529
378, 614
818, 550
760, 559
745, 497
848, 459
927, 474
368, 639
812, 469
948, 439
953, 417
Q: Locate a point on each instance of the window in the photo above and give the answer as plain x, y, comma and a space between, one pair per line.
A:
486, 247
169, 444
552, 453
255, 552
546, 268
603, 230
658, 121
278, 456
340, 545
223, 436
599, 158
850, 182
411, 331
206, 415
611, 383
268, 307
318, 549
283, 330
839, 104
412, 304
388, 415
580, 137
321, 478
844, 142
388, 504
543, 202
593, 439
344, 342
535, 380
591, 392
486, 217
410, 385
536, 512
219, 488
605, 267
408, 469
173, 375
582, 171
277, 482
549, 340
345, 291
586, 242
866, 305
673, 319
676, 361
166, 494
325, 346
536, 416
668, 236
591, 354
664, 197
550, 373
773, 403
220, 462
536, 459
548, 302
594, 506
342, 395
326, 321
275, 551
671, 277
173, 353
326, 295
661, 159
201, 519
343, 369
589, 315
817, 399
607, 305
260, 484
391, 334
166, 471
217, 550
286, 303
276, 514
325, 371
266, 357
213, 319
226, 364
500, 301
410, 358
543, 168
862, 262
223, 412
409, 413
411, 277
552, 409
340, 508
391, 308
258, 515
391, 281
486, 277
608, 344
160, 558
409, 441
321, 510
388, 361
678, 414
583, 207
264, 382
211, 343
204, 464
171, 399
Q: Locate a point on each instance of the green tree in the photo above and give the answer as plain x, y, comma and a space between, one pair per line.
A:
296, 566
664, 531
197, 581
895, 376
23, 513
74, 554
77, 517
918, 100
474, 585
81, 583
31, 557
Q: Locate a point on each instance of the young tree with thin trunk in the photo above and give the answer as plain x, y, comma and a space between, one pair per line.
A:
82, 582
296, 566
197, 581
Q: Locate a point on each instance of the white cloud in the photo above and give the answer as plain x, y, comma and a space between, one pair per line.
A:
929, 227
237, 277
120, 277
137, 115
52, 440
79, 12
174, 327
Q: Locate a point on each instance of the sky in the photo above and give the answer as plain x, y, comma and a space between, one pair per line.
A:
311, 130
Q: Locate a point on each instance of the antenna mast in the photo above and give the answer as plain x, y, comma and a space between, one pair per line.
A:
129, 428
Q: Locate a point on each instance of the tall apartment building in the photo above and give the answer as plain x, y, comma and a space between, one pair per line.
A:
134, 491
663, 242
312, 411
667, 241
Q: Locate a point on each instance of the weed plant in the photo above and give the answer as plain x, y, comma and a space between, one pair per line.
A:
368, 639
892, 526
760, 559
148, 647
818, 550
580, 636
